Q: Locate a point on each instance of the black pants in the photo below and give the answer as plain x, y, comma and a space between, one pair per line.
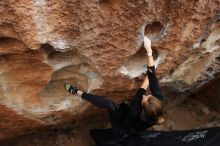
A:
110, 106
100, 101
105, 137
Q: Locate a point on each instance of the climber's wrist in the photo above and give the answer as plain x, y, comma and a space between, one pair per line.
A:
149, 53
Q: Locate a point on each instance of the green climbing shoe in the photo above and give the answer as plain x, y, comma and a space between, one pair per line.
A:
71, 88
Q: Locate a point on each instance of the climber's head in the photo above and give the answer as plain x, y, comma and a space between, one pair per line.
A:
152, 107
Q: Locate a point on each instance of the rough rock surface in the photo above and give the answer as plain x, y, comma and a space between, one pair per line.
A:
97, 45
210, 94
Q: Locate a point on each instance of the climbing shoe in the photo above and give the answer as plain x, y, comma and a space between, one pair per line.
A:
71, 88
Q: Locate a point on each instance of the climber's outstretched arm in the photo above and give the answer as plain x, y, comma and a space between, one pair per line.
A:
136, 102
151, 74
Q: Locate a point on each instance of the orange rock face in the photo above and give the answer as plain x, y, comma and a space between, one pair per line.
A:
97, 45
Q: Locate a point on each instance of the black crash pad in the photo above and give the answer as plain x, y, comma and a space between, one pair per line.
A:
199, 137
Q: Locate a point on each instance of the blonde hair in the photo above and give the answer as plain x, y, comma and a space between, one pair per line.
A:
153, 108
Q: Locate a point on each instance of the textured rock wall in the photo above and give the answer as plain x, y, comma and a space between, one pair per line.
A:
210, 94
203, 65
97, 45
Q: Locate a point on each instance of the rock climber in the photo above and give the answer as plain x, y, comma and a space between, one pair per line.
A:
144, 110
